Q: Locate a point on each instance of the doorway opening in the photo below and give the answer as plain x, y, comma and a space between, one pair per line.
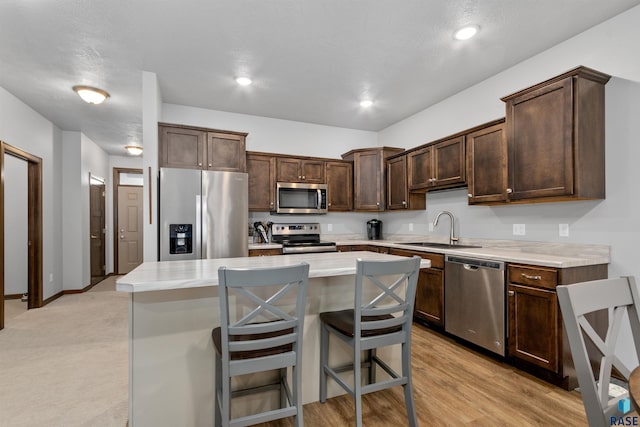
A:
97, 228
34, 226
127, 214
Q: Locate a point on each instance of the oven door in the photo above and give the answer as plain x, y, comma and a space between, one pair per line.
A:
297, 198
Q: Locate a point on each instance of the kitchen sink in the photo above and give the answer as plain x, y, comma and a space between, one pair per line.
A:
438, 245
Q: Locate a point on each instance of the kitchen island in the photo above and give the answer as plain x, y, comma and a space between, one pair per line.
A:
174, 306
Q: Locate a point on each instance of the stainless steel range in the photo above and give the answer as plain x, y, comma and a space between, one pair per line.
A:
300, 238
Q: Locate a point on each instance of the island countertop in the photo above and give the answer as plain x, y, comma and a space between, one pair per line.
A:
166, 275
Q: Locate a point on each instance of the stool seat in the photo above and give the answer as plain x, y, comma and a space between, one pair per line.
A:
216, 334
343, 322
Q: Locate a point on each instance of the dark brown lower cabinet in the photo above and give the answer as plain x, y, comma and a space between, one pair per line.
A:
534, 332
265, 252
429, 304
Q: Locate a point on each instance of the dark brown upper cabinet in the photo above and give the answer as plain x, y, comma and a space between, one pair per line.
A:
339, 174
487, 164
398, 195
300, 170
198, 148
555, 137
261, 168
438, 165
369, 182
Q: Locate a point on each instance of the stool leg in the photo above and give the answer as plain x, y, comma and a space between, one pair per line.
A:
408, 387
217, 389
324, 359
298, 420
283, 395
357, 383
372, 365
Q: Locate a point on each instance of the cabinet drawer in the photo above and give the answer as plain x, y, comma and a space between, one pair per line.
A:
265, 252
437, 260
533, 276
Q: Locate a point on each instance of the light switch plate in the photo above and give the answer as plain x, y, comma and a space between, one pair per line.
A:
329, 227
519, 230
563, 230
430, 226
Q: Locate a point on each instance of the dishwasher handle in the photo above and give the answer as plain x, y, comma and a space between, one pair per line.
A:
474, 264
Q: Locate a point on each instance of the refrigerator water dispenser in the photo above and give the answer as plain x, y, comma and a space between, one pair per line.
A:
180, 239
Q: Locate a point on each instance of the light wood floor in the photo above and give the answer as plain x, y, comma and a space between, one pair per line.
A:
454, 385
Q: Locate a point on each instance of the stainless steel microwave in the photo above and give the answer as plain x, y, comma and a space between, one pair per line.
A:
299, 198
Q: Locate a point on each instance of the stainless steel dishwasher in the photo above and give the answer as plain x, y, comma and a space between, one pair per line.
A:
474, 298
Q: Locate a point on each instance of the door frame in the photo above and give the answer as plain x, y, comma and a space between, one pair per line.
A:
93, 181
34, 225
116, 185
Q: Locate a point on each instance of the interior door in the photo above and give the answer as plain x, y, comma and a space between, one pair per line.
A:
129, 228
97, 232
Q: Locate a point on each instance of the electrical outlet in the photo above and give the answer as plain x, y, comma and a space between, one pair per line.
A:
519, 230
563, 230
410, 226
430, 226
329, 227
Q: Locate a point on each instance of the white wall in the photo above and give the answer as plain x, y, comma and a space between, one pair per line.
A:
16, 226
24, 128
151, 113
610, 48
274, 135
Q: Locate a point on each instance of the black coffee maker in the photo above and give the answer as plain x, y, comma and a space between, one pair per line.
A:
374, 229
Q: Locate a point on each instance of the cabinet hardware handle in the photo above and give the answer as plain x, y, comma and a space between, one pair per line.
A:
209, 164
304, 177
404, 203
93, 236
526, 276
199, 164
329, 204
509, 191
512, 293
469, 195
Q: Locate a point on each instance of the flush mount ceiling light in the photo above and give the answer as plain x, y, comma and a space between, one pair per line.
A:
134, 150
366, 103
91, 95
243, 81
466, 33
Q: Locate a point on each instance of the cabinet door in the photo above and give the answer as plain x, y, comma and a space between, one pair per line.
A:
181, 148
540, 138
265, 252
487, 165
368, 189
419, 169
449, 163
288, 170
397, 183
312, 171
429, 303
226, 152
262, 172
339, 186
534, 331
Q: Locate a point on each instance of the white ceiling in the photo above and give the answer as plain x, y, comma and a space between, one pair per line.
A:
311, 60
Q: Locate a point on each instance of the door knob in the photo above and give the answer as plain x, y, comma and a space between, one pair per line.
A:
122, 230
121, 236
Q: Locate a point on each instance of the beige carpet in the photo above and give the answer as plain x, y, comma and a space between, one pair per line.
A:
66, 364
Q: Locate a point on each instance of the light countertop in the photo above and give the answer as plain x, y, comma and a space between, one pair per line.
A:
556, 255
166, 275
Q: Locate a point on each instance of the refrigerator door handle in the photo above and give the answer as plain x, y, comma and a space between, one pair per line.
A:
200, 233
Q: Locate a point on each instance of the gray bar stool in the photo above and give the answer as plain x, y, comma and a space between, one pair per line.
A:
619, 298
382, 321
261, 331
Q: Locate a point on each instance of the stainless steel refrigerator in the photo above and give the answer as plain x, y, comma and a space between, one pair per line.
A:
203, 214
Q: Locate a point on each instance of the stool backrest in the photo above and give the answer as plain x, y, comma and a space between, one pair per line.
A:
394, 285
262, 309
620, 298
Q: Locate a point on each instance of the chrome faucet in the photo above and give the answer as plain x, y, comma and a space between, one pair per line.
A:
452, 238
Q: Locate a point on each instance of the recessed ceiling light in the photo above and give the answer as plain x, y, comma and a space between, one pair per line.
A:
467, 32
243, 81
366, 103
91, 95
